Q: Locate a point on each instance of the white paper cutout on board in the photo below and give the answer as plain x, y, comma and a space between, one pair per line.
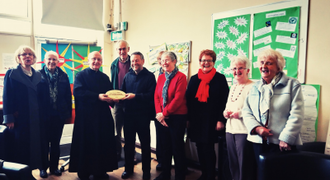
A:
283, 26
257, 51
286, 53
285, 39
262, 31
276, 14
265, 40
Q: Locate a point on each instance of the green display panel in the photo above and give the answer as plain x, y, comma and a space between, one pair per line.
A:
279, 30
230, 38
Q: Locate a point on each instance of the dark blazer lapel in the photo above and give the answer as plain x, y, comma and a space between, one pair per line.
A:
18, 75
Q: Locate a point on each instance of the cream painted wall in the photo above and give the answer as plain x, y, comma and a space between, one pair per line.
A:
152, 22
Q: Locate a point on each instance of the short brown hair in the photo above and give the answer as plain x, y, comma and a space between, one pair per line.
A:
208, 53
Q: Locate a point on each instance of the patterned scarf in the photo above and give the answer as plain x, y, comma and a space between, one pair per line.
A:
266, 91
167, 82
161, 71
52, 81
204, 86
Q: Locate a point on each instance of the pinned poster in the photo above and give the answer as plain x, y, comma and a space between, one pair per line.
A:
8, 61
152, 55
311, 94
72, 58
181, 49
327, 143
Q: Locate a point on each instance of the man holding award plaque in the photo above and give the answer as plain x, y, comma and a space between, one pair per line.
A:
139, 85
93, 149
119, 68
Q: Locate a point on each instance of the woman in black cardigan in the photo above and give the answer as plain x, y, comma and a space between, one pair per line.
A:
206, 94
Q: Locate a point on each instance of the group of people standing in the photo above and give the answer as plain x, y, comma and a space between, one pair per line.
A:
255, 117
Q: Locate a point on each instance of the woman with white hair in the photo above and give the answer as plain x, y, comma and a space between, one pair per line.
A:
171, 113
23, 109
60, 110
274, 109
239, 149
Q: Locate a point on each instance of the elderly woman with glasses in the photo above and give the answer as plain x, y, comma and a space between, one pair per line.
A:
274, 108
60, 108
171, 112
206, 94
238, 148
24, 99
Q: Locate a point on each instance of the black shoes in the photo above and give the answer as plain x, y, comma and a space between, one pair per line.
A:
126, 174
43, 174
163, 177
146, 176
57, 172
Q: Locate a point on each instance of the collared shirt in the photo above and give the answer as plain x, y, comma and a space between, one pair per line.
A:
123, 68
123, 61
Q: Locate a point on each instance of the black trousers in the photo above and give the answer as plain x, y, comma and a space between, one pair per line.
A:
51, 145
141, 126
172, 140
118, 117
159, 147
207, 159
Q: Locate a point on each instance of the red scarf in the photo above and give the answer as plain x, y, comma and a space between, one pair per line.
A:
203, 89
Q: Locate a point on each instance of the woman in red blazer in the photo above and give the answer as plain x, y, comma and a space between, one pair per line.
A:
171, 111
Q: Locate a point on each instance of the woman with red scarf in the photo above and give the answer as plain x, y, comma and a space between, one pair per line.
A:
206, 96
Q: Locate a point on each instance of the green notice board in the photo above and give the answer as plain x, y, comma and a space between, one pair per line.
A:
281, 26
231, 38
278, 30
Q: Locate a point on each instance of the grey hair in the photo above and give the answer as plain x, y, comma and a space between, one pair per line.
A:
170, 54
240, 59
118, 42
51, 53
274, 55
21, 50
138, 53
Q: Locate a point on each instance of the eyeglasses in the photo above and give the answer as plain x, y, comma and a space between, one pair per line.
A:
204, 61
240, 69
25, 54
165, 60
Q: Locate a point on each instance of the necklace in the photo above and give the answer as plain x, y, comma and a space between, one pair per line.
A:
232, 94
